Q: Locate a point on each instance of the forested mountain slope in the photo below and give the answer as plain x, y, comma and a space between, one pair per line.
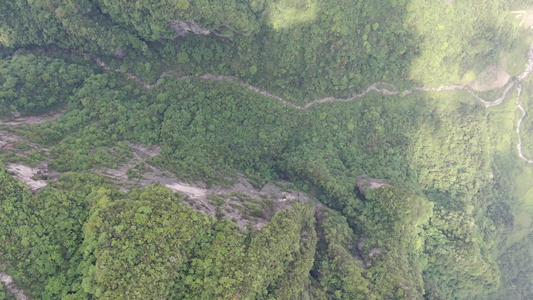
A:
259, 149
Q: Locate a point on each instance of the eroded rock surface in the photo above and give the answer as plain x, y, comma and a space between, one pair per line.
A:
10, 285
365, 183
183, 28
26, 175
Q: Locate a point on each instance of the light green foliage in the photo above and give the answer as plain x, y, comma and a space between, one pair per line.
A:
447, 264
456, 37
5, 295
82, 240
207, 129
153, 236
392, 220
287, 14
183, 57
381, 259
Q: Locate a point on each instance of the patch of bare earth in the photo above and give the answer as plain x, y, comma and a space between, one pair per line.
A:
528, 21
10, 285
33, 120
7, 139
150, 174
525, 17
493, 77
31, 176
191, 191
248, 207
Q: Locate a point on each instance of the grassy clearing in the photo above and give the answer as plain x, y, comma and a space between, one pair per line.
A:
503, 120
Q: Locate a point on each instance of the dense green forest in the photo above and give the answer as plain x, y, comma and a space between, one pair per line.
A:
391, 195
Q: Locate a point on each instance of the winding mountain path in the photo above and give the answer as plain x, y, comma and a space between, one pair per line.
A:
375, 87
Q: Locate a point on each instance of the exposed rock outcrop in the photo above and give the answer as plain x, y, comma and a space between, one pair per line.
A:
365, 183
183, 28
12, 287
27, 174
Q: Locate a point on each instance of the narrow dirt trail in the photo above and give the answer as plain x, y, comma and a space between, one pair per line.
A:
12, 287
372, 88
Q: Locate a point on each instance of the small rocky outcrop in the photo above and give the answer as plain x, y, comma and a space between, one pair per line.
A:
28, 175
183, 28
119, 53
10, 286
365, 183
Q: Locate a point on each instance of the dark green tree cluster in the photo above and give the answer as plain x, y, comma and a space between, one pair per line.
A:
64, 23
338, 269
32, 83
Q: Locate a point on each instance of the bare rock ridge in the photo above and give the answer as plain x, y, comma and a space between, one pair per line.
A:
247, 206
